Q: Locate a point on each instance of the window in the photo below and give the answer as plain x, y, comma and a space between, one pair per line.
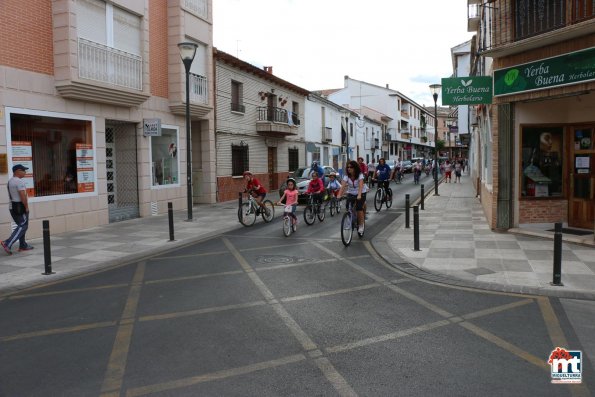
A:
165, 162
239, 159
294, 162
541, 162
351, 130
295, 113
237, 97
57, 148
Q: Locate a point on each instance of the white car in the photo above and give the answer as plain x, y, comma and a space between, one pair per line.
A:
301, 177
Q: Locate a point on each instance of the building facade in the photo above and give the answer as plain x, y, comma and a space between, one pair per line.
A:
92, 101
541, 124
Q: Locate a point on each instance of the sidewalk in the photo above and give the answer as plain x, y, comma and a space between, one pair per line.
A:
458, 247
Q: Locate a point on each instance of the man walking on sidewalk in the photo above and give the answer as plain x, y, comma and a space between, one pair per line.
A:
19, 210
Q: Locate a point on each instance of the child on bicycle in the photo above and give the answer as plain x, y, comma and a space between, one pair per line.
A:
333, 185
316, 188
291, 200
257, 191
353, 183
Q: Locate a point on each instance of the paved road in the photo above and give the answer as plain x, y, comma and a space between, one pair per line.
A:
251, 312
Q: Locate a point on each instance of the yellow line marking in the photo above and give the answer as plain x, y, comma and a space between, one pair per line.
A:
554, 329
200, 311
198, 276
334, 377
117, 362
497, 309
189, 255
387, 337
226, 373
329, 293
262, 247
68, 291
278, 267
509, 347
56, 331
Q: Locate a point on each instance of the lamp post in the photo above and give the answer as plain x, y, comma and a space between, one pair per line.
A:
435, 88
187, 53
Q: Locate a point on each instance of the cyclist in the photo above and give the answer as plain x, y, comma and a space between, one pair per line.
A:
318, 169
416, 172
333, 185
316, 189
257, 191
397, 174
291, 199
363, 167
353, 183
383, 175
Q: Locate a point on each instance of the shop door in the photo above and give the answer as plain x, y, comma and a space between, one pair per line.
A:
272, 160
121, 171
581, 209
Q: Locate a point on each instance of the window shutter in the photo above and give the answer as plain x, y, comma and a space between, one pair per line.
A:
91, 20
127, 31
198, 65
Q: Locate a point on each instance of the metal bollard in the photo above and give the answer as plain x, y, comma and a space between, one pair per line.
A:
47, 253
557, 255
416, 228
407, 211
170, 216
423, 196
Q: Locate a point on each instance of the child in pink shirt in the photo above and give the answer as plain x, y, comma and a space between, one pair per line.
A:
291, 200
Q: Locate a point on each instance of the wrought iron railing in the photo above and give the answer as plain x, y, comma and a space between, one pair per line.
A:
109, 65
198, 7
507, 21
238, 107
199, 89
277, 115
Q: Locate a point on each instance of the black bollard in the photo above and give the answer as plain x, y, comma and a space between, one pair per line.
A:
47, 253
423, 196
407, 211
170, 216
416, 228
557, 255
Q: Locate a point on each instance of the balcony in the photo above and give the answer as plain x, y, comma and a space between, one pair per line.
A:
199, 89
327, 134
105, 75
404, 114
238, 107
199, 98
405, 135
512, 26
276, 122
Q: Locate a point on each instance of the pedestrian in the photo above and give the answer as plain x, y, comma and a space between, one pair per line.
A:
19, 210
372, 171
447, 171
458, 168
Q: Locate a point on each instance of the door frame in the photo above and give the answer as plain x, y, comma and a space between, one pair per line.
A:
580, 215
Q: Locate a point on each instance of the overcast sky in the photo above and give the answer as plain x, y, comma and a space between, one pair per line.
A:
314, 43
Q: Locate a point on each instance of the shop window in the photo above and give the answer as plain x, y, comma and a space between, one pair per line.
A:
165, 162
541, 162
58, 150
239, 159
294, 161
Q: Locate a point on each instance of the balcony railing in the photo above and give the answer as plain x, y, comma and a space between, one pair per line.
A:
508, 21
277, 115
99, 62
327, 134
198, 7
199, 89
238, 107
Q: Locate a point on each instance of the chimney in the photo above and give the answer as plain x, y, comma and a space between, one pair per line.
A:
268, 69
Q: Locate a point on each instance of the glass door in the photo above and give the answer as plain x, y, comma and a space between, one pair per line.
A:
581, 198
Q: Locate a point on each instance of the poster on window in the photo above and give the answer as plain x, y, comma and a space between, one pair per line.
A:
22, 154
85, 172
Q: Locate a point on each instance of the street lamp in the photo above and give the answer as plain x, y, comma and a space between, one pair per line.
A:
435, 88
187, 53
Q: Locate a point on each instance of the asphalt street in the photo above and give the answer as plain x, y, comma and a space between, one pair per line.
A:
253, 313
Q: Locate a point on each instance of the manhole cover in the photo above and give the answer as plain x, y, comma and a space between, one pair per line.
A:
280, 259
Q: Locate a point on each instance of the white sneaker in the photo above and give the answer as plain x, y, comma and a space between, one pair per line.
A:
360, 230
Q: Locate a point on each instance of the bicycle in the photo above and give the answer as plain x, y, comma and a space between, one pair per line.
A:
349, 221
313, 210
334, 204
248, 211
398, 177
288, 225
383, 195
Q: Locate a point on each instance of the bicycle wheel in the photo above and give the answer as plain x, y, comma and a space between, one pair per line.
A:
246, 214
309, 215
389, 198
321, 212
332, 206
287, 226
378, 200
346, 229
270, 214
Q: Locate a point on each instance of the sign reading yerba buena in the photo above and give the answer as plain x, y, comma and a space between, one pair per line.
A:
575, 67
472, 90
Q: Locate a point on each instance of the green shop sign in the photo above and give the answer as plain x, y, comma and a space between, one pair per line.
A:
575, 67
473, 90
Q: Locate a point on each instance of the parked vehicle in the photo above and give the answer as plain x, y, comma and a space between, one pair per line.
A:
407, 166
301, 177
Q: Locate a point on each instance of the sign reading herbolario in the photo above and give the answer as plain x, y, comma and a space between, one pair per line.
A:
85, 170
572, 68
472, 90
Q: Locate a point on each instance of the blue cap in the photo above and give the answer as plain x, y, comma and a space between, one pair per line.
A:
19, 167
